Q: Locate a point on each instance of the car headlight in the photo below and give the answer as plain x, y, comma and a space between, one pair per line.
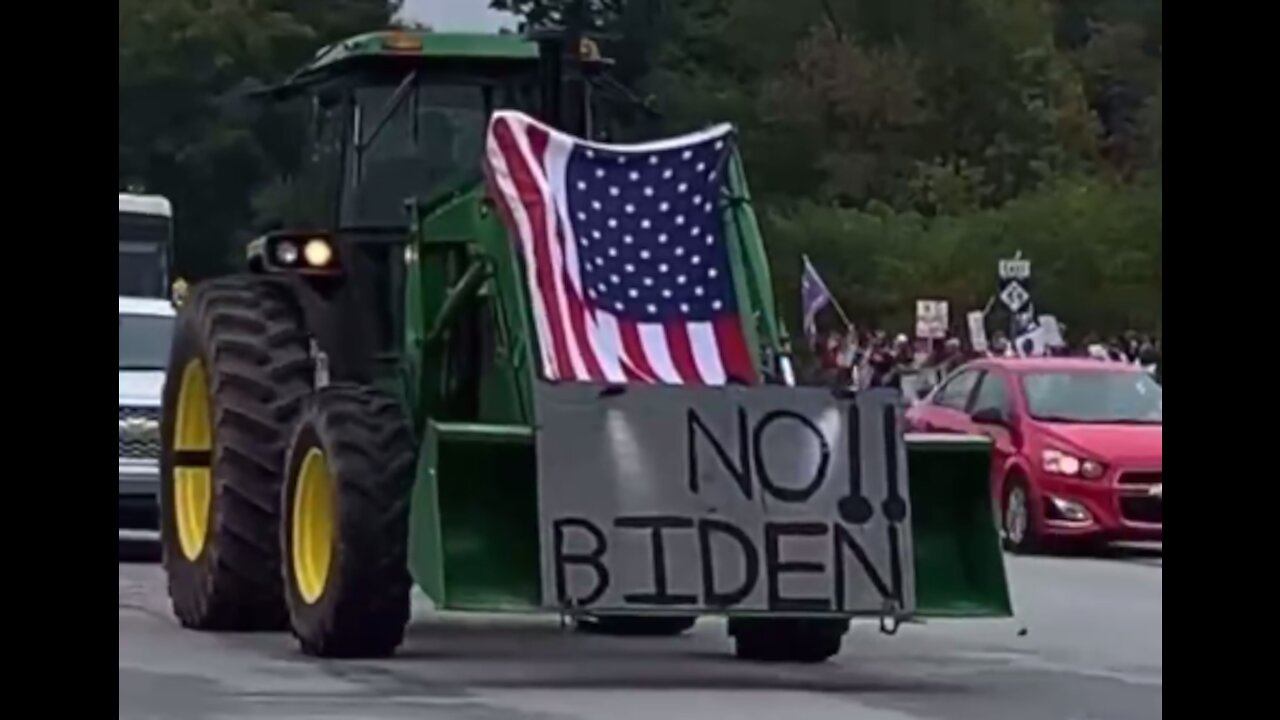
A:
1061, 463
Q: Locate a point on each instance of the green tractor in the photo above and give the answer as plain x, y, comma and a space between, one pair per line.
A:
370, 406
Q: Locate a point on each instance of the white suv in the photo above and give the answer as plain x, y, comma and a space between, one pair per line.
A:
146, 328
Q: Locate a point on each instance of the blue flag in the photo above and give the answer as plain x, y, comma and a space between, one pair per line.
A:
814, 296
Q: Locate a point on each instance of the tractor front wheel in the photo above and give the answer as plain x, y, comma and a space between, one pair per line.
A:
798, 640
345, 535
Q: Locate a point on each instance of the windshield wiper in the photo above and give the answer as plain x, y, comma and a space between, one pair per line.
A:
141, 368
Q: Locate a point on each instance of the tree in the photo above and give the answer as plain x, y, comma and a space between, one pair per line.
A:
543, 13
907, 144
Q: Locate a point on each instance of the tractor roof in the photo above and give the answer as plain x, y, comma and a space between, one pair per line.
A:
423, 44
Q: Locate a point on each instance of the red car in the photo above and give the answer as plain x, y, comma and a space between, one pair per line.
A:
1077, 445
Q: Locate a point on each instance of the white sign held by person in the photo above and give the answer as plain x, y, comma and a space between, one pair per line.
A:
1051, 332
977, 331
931, 319
1014, 269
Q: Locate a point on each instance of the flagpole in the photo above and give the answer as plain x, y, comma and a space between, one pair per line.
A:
840, 311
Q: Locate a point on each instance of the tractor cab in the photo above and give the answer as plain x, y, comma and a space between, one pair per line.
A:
396, 123
396, 116
400, 115
396, 130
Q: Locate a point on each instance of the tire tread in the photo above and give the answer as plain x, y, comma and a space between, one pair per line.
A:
371, 455
257, 361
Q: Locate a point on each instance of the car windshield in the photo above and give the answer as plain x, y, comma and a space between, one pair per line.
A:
143, 239
144, 341
1094, 397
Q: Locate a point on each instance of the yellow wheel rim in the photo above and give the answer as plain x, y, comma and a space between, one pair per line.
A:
313, 521
193, 450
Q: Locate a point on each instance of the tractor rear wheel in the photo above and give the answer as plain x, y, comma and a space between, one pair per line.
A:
798, 640
635, 625
238, 370
345, 535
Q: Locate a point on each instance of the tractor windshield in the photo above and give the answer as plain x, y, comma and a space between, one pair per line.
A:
416, 136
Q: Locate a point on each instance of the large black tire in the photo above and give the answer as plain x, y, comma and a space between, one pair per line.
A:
358, 606
240, 350
797, 640
635, 625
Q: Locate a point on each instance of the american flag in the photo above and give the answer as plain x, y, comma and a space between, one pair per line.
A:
625, 253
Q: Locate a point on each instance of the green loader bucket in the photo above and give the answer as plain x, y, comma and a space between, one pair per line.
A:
958, 562
473, 537
474, 534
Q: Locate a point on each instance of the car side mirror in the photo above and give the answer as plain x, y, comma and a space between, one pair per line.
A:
990, 416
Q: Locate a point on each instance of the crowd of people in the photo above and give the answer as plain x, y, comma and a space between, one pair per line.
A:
873, 359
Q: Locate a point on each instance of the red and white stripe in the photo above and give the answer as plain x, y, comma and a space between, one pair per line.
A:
526, 163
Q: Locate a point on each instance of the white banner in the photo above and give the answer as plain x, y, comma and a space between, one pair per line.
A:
931, 319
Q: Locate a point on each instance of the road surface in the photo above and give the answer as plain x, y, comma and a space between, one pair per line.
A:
1091, 651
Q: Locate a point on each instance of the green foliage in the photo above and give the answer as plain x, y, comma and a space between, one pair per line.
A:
891, 101
1095, 246
906, 144
544, 13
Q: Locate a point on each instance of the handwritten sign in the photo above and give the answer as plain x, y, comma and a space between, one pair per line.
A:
931, 319
722, 499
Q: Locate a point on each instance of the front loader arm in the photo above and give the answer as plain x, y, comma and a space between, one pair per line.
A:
752, 277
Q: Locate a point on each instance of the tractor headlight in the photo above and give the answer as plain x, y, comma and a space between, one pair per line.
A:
286, 252
317, 252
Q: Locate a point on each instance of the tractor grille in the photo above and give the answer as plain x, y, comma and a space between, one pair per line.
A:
139, 433
1142, 479
1142, 509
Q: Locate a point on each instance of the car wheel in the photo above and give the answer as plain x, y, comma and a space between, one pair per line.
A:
1018, 522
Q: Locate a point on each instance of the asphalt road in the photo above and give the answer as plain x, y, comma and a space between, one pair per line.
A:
1091, 651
